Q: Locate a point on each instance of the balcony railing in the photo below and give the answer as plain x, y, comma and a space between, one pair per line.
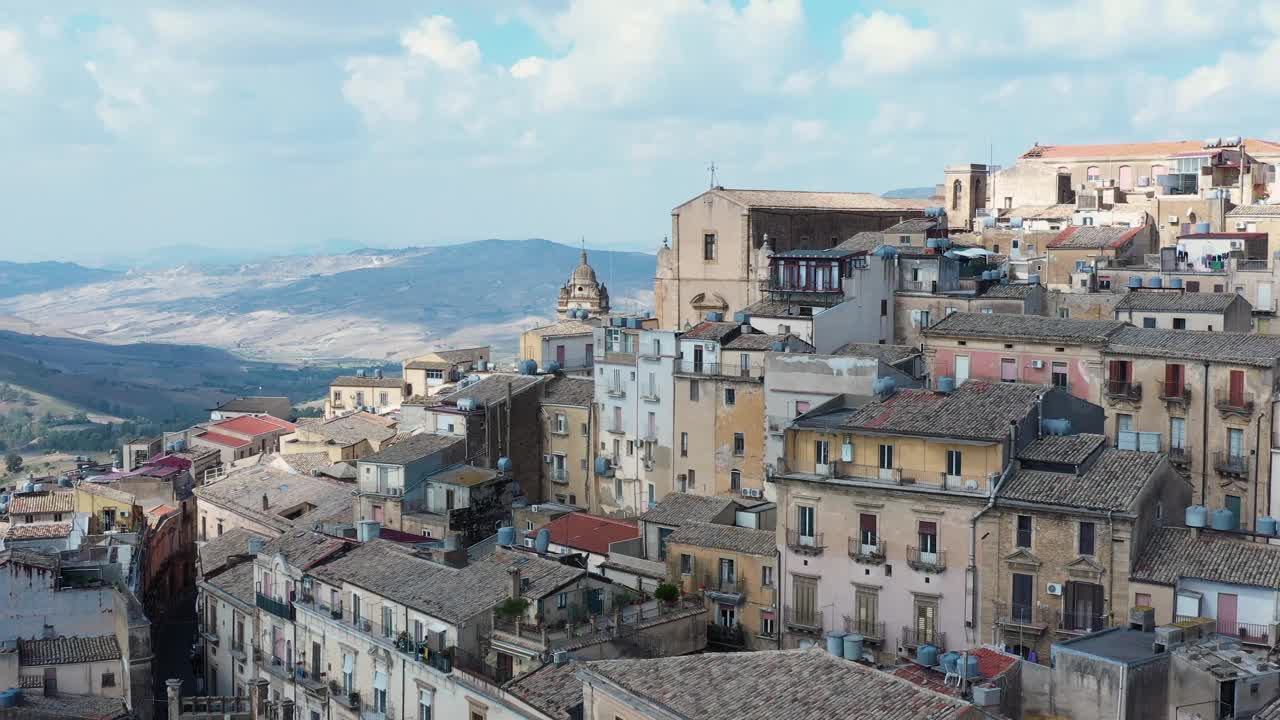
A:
872, 553
560, 476
1174, 393
803, 619
727, 636
350, 701
1124, 390
805, 544
1252, 265
278, 667
724, 585
693, 367
1227, 463
1246, 633
617, 391
1180, 455
279, 608
930, 562
1076, 620
1022, 615
311, 682
1238, 403
868, 629
917, 636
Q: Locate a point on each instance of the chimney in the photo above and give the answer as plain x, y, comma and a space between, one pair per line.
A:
264, 501
515, 582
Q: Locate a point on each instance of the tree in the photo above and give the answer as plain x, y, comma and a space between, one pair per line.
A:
667, 593
13, 462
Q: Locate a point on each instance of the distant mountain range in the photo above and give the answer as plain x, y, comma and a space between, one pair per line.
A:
362, 304
911, 193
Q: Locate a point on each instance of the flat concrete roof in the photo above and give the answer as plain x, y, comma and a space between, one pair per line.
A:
1122, 645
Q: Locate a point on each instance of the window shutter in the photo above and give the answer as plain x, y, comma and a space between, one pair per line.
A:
1149, 441
1127, 440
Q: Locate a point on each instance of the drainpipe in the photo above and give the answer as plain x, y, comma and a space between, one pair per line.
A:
1111, 560
973, 531
1204, 438
1257, 457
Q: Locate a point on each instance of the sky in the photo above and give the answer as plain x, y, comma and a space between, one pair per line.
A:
127, 126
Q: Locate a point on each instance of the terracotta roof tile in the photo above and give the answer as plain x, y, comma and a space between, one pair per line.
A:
591, 533
1178, 552
1144, 301
68, 650
680, 508
1113, 482
976, 410
725, 537
38, 531
47, 501
1094, 236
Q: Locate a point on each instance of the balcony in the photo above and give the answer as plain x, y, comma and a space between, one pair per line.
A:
805, 544
1180, 456
280, 608
1022, 616
917, 636
730, 636
1246, 633
313, 684
1124, 390
277, 667
928, 562
711, 369
725, 589
868, 629
1233, 403
1081, 621
1231, 465
805, 620
350, 701
616, 391
867, 553
616, 429
560, 476
1174, 393
807, 293
1252, 265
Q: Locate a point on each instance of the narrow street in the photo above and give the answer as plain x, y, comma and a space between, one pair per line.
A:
172, 635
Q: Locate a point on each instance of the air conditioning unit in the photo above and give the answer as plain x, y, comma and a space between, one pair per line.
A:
1236, 245
1173, 219
970, 484
546, 459
395, 491
1241, 225
1054, 589
752, 492
1037, 364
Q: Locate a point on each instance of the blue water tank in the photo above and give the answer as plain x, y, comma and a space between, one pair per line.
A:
852, 647
1033, 279
602, 466
989, 221
835, 643
1223, 519
950, 662
9, 698
1267, 526
1197, 516
927, 655
1015, 222
740, 317
1135, 282
946, 384
527, 367
778, 346
884, 385
506, 536
64, 482
970, 669
1175, 283
885, 251
504, 464
542, 541
931, 243
950, 255
553, 367
1154, 282
1056, 426
1202, 227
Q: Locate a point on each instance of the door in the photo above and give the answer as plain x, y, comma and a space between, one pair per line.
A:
1008, 370
926, 622
868, 532
928, 532
726, 573
962, 369
1236, 392
806, 599
728, 615
1227, 608
697, 358
1264, 297
1023, 597
560, 355
886, 462
805, 519
51, 681
506, 667
315, 661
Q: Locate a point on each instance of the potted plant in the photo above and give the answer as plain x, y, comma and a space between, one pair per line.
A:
667, 593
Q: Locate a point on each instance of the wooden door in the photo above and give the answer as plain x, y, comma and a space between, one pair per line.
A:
1236, 391
1023, 596
1227, 613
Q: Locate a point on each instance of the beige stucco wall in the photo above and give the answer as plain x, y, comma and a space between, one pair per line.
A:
756, 597
84, 678
579, 485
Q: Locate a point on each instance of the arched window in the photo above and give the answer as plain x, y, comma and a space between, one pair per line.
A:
1093, 174
1064, 170
1157, 170
955, 195
1126, 177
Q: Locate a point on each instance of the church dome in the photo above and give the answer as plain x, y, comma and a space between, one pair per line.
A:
583, 274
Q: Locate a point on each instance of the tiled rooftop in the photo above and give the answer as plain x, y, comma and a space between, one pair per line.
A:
1024, 327
1011, 291
682, 508
552, 689
1176, 301
864, 242
773, 685
105, 490
1113, 482
1224, 347
976, 410
1094, 236
241, 491
888, 354
217, 438
578, 392
725, 537
1064, 449
1255, 211
1177, 552
369, 382
490, 389
350, 429
708, 330
1129, 151
590, 533
250, 425
563, 328
66, 706
38, 531
28, 558
235, 541
236, 581
912, 226
68, 650
412, 448
45, 501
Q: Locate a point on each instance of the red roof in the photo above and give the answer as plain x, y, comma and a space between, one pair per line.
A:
991, 664
278, 422
220, 439
591, 533
251, 425
400, 536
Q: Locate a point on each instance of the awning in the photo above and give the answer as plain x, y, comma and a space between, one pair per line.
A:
348, 664
972, 252
379, 681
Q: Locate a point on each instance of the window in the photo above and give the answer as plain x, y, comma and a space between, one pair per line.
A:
1177, 433
767, 623
219, 526
821, 456
1235, 444
1024, 531
562, 600
657, 347
617, 487
693, 391
766, 576
1193, 286
686, 564
337, 397
988, 311
950, 311
805, 517
1179, 323
631, 448
424, 704
1008, 370
1059, 375
868, 532
904, 239
884, 308
739, 444
653, 386
108, 679
1235, 505
927, 530
1148, 322
846, 449
692, 477
1087, 220
730, 396
886, 457
954, 465
709, 246
684, 444
562, 424
735, 480
1064, 313
955, 195
388, 622
1092, 174
1085, 544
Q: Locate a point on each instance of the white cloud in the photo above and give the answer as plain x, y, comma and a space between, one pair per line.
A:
800, 82
18, 72
882, 44
436, 39
526, 68
528, 139
892, 117
379, 88
1091, 28
808, 130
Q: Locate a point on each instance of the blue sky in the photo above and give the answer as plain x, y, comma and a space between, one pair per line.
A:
128, 125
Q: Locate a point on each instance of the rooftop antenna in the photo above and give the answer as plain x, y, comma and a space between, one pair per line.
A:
712, 169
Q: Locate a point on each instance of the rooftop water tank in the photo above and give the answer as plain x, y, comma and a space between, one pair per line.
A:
946, 384
1267, 526
951, 662
553, 367
466, 404
970, 667
1015, 222
528, 367
835, 643
1135, 282
368, 530
506, 536
1033, 279
1197, 516
931, 243
740, 317
602, 466
28, 486
852, 647
1202, 227
1223, 519
64, 482
885, 251
4, 507
1175, 283
1056, 426
777, 346
360, 372
504, 464
542, 541
1154, 282
884, 385
9, 698
989, 221
927, 655
950, 255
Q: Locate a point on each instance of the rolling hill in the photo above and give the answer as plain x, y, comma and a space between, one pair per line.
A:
24, 278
